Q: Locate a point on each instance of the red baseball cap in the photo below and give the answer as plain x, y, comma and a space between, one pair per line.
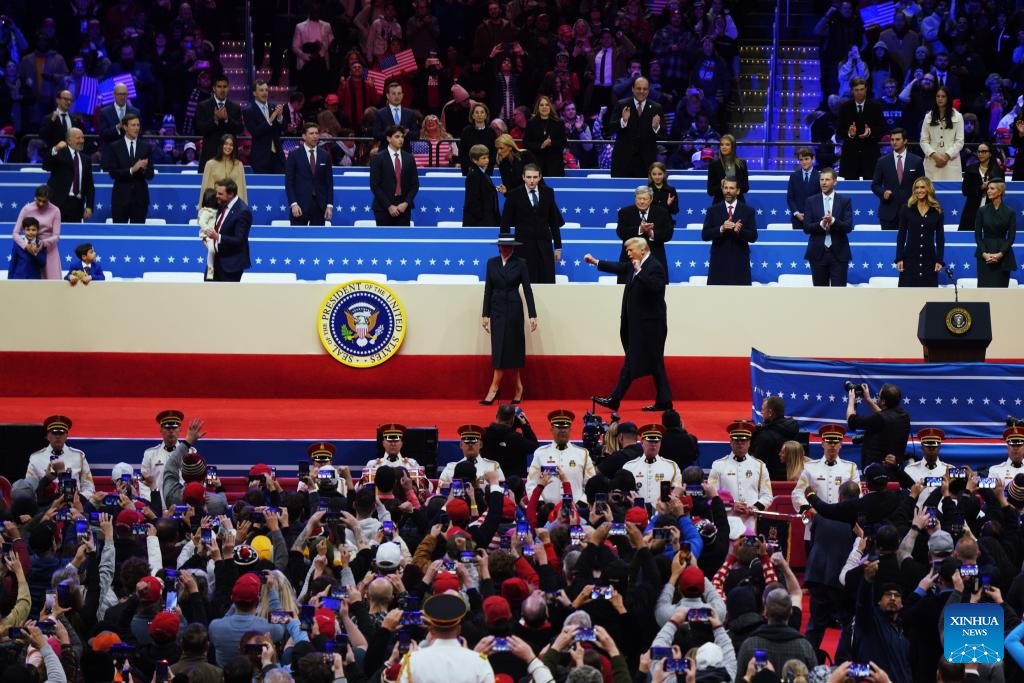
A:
247, 589
164, 626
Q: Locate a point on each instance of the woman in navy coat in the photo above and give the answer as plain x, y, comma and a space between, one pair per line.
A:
920, 241
503, 315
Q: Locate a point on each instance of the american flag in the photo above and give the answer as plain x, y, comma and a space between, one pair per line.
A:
106, 88
86, 99
421, 152
396, 65
656, 7
879, 14
377, 80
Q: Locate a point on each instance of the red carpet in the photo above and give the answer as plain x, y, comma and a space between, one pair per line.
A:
831, 640
229, 418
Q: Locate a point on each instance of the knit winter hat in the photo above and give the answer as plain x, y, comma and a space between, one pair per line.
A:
193, 467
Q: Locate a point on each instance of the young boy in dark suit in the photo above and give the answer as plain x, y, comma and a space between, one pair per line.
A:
27, 262
480, 208
86, 268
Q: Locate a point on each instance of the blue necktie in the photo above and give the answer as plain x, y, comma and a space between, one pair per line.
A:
533, 197
827, 202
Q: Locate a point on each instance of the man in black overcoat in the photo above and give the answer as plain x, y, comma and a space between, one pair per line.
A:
636, 123
653, 223
731, 227
531, 210
859, 127
644, 323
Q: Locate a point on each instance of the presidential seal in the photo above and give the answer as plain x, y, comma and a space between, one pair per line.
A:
361, 323
958, 320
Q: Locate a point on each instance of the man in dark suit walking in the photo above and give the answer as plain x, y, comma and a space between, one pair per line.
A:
111, 116
230, 233
803, 183
828, 219
643, 327
129, 167
393, 180
894, 177
531, 210
859, 125
636, 123
731, 227
215, 117
308, 180
71, 185
264, 124
394, 114
653, 223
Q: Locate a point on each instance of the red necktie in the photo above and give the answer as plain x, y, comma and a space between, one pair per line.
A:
220, 219
728, 207
75, 181
312, 168
398, 173
899, 168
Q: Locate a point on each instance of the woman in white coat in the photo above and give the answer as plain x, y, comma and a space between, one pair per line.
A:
942, 138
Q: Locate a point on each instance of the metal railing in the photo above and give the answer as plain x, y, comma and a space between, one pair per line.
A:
773, 62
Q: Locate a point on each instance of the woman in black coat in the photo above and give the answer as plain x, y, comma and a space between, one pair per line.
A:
975, 183
727, 165
510, 161
545, 137
478, 132
920, 241
480, 207
665, 195
503, 315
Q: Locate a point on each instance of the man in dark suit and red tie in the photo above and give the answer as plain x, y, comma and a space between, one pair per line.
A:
71, 185
230, 233
731, 227
636, 123
531, 211
643, 327
642, 219
308, 180
894, 178
393, 180
828, 219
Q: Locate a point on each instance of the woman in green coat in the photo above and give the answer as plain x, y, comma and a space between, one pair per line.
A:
994, 232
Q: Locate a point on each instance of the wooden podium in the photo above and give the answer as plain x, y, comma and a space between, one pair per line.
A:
954, 332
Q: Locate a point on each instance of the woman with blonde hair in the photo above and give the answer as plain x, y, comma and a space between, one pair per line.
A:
793, 457
285, 594
794, 671
920, 241
545, 137
510, 161
727, 165
443, 149
225, 164
611, 439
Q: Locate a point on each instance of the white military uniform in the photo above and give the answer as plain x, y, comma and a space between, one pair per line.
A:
575, 463
825, 479
413, 467
445, 661
1006, 471
153, 461
747, 481
74, 462
483, 466
649, 475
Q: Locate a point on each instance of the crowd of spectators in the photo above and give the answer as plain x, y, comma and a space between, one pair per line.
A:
582, 57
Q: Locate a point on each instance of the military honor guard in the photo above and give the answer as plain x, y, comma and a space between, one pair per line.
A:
470, 440
930, 465
59, 457
572, 460
321, 456
445, 659
650, 469
825, 476
154, 458
1014, 465
744, 477
392, 435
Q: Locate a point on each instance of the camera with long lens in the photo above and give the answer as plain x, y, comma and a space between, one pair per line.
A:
858, 390
1012, 421
594, 429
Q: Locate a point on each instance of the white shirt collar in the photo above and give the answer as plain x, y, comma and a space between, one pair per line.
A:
644, 259
308, 149
636, 103
227, 209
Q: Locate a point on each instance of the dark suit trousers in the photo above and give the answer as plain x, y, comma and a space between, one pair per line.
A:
130, 209
829, 271
826, 605
310, 216
384, 218
894, 224
662, 392
224, 276
72, 209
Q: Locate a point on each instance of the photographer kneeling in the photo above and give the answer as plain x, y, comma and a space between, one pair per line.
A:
886, 429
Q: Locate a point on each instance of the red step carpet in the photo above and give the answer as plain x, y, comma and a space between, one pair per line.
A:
230, 418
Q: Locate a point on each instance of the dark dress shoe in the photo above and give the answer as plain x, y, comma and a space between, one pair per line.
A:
490, 401
522, 397
655, 407
606, 401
